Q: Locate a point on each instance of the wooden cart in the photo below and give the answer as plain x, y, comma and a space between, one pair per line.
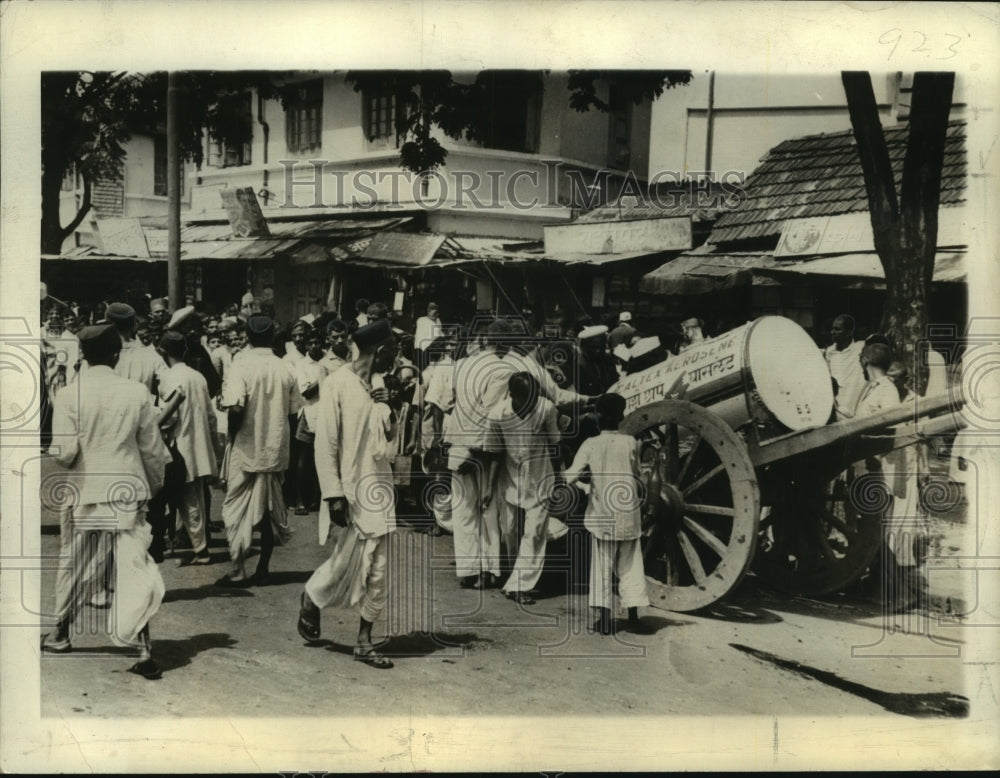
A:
706, 483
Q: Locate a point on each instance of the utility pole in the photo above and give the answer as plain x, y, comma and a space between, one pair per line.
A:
176, 299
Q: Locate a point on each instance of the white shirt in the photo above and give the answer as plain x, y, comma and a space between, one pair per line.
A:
845, 367
110, 444
194, 420
427, 330
527, 478
310, 371
352, 460
139, 363
264, 386
614, 508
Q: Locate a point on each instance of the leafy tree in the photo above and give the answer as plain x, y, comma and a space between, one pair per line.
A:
425, 98
905, 226
88, 117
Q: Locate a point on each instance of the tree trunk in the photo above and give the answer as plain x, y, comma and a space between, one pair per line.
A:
52, 232
904, 231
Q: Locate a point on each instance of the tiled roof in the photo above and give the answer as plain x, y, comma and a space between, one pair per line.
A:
820, 175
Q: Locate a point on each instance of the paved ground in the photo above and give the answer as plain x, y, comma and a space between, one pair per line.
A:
759, 653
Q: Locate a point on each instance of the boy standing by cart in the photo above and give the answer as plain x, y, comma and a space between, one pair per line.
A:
613, 516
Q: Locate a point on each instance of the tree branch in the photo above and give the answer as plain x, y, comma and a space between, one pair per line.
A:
874, 155
920, 191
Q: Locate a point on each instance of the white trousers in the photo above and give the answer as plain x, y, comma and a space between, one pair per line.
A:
476, 533
191, 512
531, 552
621, 559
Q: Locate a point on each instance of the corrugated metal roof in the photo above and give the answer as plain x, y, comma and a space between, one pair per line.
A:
700, 271
820, 175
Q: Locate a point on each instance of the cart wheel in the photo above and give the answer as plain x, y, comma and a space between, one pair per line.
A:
700, 519
815, 540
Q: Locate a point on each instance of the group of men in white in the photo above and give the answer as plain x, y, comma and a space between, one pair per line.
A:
494, 411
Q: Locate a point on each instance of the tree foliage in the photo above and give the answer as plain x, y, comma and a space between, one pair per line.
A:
88, 117
463, 108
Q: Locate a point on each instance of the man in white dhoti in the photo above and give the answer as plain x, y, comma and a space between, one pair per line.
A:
355, 428
192, 432
262, 398
522, 444
114, 458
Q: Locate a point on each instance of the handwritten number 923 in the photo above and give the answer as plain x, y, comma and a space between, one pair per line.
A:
895, 36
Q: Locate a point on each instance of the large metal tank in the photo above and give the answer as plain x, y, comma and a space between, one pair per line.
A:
766, 371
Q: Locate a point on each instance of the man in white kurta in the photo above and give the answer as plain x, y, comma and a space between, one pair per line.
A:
192, 432
261, 395
480, 382
844, 358
309, 374
522, 442
354, 434
113, 459
136, 361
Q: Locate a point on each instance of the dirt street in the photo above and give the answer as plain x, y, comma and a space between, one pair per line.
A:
759, 653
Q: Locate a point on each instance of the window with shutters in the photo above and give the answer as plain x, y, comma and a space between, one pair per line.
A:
160, 167
513, 110
380, 119
223, 154
304, 117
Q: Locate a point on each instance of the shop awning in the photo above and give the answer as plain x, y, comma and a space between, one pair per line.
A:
949, 267
695, 273
701, 271
85, 253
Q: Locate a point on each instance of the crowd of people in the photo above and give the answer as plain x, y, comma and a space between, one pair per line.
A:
330, 414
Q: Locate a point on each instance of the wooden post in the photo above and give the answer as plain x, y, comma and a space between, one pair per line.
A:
174, 290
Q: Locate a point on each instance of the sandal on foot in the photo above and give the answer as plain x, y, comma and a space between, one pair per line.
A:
234, 583
521, 598
148, 669
372, 658
55, 646
309, 625
469, 582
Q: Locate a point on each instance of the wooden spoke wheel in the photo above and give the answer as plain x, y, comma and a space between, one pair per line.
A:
815, 540
700, 517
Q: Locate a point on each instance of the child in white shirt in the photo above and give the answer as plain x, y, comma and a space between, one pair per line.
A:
613, 516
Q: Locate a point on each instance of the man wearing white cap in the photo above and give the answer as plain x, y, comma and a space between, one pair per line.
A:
185, 321
622, 334
597, 368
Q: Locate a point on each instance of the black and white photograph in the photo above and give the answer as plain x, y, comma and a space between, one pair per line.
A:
462, 386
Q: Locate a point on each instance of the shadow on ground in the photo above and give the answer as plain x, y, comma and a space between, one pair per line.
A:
172, 654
